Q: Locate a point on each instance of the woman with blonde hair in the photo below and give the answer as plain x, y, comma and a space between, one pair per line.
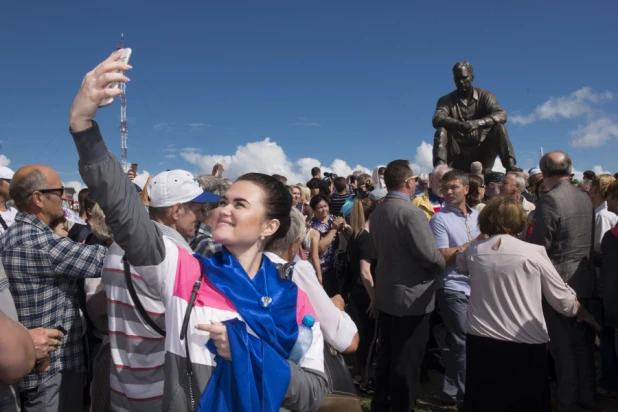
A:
360, 285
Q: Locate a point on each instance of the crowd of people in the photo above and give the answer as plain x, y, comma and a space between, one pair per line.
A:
193, 293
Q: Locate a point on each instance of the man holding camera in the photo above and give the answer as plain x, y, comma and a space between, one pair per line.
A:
324, 184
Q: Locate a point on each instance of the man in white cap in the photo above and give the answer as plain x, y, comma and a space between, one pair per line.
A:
7, 213
175, 202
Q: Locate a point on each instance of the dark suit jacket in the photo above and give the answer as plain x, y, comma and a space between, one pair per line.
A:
408, 259
564, 224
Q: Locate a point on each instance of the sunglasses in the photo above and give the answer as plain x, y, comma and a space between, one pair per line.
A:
59, 190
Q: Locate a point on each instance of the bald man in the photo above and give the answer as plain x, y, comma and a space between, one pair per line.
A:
43, 269
564, 224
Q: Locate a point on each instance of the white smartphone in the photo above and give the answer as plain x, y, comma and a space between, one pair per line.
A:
124, 57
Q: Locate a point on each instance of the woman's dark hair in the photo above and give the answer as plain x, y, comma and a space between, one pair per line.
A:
314, 184
317, 199
85, 202
475, 183
277, 200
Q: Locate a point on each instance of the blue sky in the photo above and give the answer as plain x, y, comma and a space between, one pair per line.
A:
350, 80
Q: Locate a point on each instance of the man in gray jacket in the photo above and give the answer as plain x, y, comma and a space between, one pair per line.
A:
408, 263
564, 224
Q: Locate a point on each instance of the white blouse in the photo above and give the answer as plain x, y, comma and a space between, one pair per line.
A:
337, 326
508, 278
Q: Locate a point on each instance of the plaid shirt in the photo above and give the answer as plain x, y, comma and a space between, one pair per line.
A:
43, 269
203, 243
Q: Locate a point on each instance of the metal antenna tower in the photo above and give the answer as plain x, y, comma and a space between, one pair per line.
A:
124, 132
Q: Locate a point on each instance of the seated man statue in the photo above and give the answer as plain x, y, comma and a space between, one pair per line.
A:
470, 126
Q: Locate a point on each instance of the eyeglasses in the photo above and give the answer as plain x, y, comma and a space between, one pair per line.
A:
59, 190
411, 177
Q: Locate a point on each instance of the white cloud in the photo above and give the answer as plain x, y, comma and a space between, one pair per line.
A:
302, 121
598, 126
423, 161
523, 120
170, 156
595, 133
159, 126
598, 170
4, 161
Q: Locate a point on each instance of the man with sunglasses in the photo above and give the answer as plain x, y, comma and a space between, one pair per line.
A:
43, 270
7, 213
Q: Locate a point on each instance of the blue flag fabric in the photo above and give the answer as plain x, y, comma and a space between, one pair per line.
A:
258, 376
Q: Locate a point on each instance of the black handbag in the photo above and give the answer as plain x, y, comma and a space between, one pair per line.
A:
341, 395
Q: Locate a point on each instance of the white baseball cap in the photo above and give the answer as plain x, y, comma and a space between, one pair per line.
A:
6, 173
535, 171
177, 186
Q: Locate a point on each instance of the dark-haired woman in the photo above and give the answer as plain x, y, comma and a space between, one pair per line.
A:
361, 285
328, 226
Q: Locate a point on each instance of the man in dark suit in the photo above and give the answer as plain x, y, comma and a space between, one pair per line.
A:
408, 263
564, 224
316, 176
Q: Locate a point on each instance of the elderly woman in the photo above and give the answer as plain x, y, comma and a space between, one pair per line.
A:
338, 328
507, 335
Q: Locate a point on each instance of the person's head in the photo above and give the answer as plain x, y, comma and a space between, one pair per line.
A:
253, 212
86, 203
502, 216
512, 186
612, 197
381, 171
589, 174
176, 201
534, 176
296, 193
213, 185
320, 205
340, 185
314, 186
306, 194
423, 181
98, 225
540, 189
378, 195
59, 226
455, 187
37, 190
287, 246
463, 75
599, 187
399, 177
365, 183
476, 168
477, 190
6, 175
316, 172
435, 179
555, 166
361, 212
492, 184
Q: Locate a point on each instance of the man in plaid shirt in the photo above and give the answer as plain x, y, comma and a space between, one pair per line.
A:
43, 269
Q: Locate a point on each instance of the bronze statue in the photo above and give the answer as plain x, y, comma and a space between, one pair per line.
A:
470, 126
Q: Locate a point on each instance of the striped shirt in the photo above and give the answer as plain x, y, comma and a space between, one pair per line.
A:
138, 351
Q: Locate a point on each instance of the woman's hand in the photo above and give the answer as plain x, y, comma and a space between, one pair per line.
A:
338, 223
584, 316
218, 333
94, 90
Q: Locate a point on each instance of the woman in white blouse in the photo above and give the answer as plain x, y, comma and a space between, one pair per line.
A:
506, 332
338, 328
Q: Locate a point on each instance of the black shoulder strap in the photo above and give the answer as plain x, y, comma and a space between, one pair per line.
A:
138, 304
3, 223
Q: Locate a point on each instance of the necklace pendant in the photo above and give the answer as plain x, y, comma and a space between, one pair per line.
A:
266, 301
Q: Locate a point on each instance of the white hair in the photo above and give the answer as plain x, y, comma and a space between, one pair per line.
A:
519, 180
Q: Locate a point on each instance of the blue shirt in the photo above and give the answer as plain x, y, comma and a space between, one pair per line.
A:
452, 229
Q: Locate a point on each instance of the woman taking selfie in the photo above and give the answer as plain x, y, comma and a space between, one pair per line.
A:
231, 321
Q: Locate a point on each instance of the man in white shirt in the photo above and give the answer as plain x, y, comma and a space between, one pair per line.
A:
7, 213
603, 218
